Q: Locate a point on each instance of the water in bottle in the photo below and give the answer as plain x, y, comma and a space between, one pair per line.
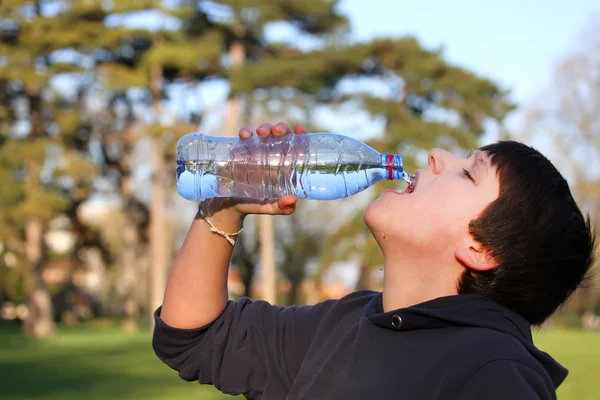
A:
321, 166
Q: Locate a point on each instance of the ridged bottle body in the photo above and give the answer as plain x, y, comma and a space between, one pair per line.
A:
320, 166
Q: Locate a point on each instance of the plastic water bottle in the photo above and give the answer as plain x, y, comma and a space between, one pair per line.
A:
321, 166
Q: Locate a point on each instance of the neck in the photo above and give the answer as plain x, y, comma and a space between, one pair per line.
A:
407, 282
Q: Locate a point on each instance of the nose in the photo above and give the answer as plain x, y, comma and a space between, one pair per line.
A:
440, 160
437, 160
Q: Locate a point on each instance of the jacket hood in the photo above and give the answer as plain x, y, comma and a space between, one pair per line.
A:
465, 310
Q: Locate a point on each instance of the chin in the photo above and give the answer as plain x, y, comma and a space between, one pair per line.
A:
383, 215
375, 215
373, 212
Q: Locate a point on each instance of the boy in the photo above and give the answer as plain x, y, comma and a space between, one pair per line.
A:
482, 249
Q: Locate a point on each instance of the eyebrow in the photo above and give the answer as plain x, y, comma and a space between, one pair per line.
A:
480, 159
482, 164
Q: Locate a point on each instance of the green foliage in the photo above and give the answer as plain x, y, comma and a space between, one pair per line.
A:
99, 9
14, 279
305, 72
149, 59
172, 133
116, 76
67, 121
16, 152
192, 56
39, 203
429, 83
315, 17
74, 165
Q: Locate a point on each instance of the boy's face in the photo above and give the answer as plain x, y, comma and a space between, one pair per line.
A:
434, 219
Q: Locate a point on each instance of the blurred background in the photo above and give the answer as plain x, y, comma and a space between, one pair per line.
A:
94, 95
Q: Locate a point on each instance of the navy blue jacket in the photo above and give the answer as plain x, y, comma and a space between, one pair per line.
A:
455, 347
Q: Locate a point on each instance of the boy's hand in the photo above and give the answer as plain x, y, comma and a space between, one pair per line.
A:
237, 208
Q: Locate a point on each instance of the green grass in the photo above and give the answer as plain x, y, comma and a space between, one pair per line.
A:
102, 363
90, 365
579, 352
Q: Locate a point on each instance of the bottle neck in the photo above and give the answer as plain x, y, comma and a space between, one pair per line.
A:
393, 165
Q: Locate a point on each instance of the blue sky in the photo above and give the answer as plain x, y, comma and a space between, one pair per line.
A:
515, 43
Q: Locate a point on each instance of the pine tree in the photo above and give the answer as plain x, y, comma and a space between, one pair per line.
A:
421, 84
246, 46
429, 85
192, 54
37, 162
564, 123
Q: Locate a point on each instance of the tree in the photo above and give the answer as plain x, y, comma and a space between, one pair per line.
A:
564, 121
144, 60
37, 159
165, 62
423, 88
246, 45
301, 242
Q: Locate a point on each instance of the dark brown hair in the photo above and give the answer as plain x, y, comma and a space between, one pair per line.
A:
535, 231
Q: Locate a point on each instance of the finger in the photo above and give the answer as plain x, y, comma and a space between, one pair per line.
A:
299, 129
245, 132
278, 207
283, 206
287, 204
264, 130
281, 128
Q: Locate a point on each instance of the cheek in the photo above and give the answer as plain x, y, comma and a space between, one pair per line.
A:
444, 215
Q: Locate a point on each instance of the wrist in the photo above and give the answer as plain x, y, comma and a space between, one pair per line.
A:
224, 218
228, 220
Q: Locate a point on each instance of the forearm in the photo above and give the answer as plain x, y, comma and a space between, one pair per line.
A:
196, 292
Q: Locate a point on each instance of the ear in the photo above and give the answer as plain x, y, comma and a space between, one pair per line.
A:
474, 256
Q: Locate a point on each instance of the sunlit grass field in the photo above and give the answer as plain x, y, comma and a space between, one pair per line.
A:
579, 352
96, 363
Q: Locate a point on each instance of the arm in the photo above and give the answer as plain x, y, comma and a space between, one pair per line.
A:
196, 292
249, 346
507, 379
236, 346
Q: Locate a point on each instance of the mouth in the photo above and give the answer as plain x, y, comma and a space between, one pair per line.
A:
413, 185
409, 189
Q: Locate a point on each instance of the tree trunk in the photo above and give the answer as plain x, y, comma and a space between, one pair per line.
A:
128, 286
130, 276
364, 277
294, 294
159, 240
39, 321
248, 278
159, 235
237, 53
267, 258
243, 258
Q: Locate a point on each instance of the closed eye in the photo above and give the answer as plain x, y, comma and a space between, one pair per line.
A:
468, 175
